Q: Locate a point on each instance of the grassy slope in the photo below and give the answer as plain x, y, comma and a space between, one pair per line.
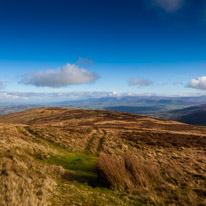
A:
59, 176
79, 185
60, 148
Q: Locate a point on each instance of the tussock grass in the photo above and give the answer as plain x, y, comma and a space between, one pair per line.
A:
128, 173
25, 182
163, 183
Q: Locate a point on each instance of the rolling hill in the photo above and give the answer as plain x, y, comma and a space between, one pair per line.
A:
60, 156
195, 115
7, 109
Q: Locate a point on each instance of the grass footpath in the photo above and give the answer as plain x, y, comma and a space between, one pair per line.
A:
80, 185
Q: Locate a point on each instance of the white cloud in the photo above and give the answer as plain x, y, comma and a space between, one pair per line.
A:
94, 94
169, 5
61, 77
139, 82
198, 83
63, 96
38, 98
7, 96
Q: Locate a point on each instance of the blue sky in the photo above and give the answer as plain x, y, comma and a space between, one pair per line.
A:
57, 48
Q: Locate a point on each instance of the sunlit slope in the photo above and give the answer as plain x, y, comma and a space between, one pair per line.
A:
48, 157
77, 126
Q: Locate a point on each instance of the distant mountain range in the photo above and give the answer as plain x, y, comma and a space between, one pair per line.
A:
137, 101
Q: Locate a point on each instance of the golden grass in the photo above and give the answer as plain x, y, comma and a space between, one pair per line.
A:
158, 162
127, 173
24, 183
158, 181
27, 180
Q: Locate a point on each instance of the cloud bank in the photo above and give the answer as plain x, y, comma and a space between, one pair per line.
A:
63, 96
9, 96
52, 97
168, 5
198, 83
61, 77
139, 82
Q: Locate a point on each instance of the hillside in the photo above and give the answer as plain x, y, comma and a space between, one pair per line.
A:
195, 115
56, 156
7, 109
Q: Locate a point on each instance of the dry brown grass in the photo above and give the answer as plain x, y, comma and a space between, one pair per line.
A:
166, 163
126, 173
24, 181
130, 174
155, 183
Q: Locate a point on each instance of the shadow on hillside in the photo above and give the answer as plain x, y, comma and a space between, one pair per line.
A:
86, 178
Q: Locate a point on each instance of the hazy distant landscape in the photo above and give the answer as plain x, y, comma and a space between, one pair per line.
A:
189, 110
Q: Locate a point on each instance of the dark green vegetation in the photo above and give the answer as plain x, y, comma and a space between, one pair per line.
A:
82, 167
59, 156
